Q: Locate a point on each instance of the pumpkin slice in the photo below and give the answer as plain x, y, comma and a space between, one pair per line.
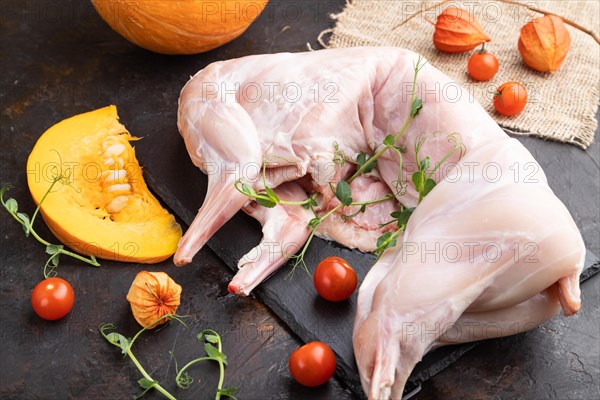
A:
101, 206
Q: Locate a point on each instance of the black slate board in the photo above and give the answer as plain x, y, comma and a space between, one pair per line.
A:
182, 187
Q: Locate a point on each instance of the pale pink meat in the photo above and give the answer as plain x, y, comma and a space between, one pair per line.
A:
285, 229
361, 231
491, 243
284, 232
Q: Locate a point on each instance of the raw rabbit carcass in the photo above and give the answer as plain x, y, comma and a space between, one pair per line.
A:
490, 246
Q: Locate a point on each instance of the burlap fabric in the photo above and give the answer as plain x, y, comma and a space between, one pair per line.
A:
562, 106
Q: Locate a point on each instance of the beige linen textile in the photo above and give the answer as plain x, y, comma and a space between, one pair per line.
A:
562, 106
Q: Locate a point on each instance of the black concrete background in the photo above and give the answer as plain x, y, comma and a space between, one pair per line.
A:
58, 58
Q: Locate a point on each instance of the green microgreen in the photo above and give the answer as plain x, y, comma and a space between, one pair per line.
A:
269, 198
339, 157
212, 347
214, 352
422, 178
54, 250
108, 331
365, 163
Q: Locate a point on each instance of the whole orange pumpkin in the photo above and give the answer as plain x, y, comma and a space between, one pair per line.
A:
179, 27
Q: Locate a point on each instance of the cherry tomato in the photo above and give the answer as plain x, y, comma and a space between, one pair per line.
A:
312, 364
510, 98
335, 280
52, 298
482, 65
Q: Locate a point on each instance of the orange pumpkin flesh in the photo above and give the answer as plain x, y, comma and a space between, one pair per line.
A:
153, 295
102, 206
179, 27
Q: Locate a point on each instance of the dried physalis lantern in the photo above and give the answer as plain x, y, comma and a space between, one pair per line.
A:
153, 295
457, 31
544, 43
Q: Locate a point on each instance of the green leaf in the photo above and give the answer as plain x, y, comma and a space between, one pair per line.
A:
26, 223
54, 259
272, 195
370, 167
212, 350
228, 392
424, 165
389, 140
247, 189
311, 202
124, 344
404, 216
24, 217
313, 223
12, 206
146, 383
265, 202
343, 193
418, 179
214, 353
428, 186
115, 338
54, 248
396, 214
415, 107
384, 242
381, 240
212, 339
360, 159
392, 243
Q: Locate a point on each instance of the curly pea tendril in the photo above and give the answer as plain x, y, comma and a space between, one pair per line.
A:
365, 163
212, 347
54, 250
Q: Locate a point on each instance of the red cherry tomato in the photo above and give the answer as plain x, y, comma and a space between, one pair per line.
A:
510, 98
482, 65
52, 298
312, 364
335, 280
